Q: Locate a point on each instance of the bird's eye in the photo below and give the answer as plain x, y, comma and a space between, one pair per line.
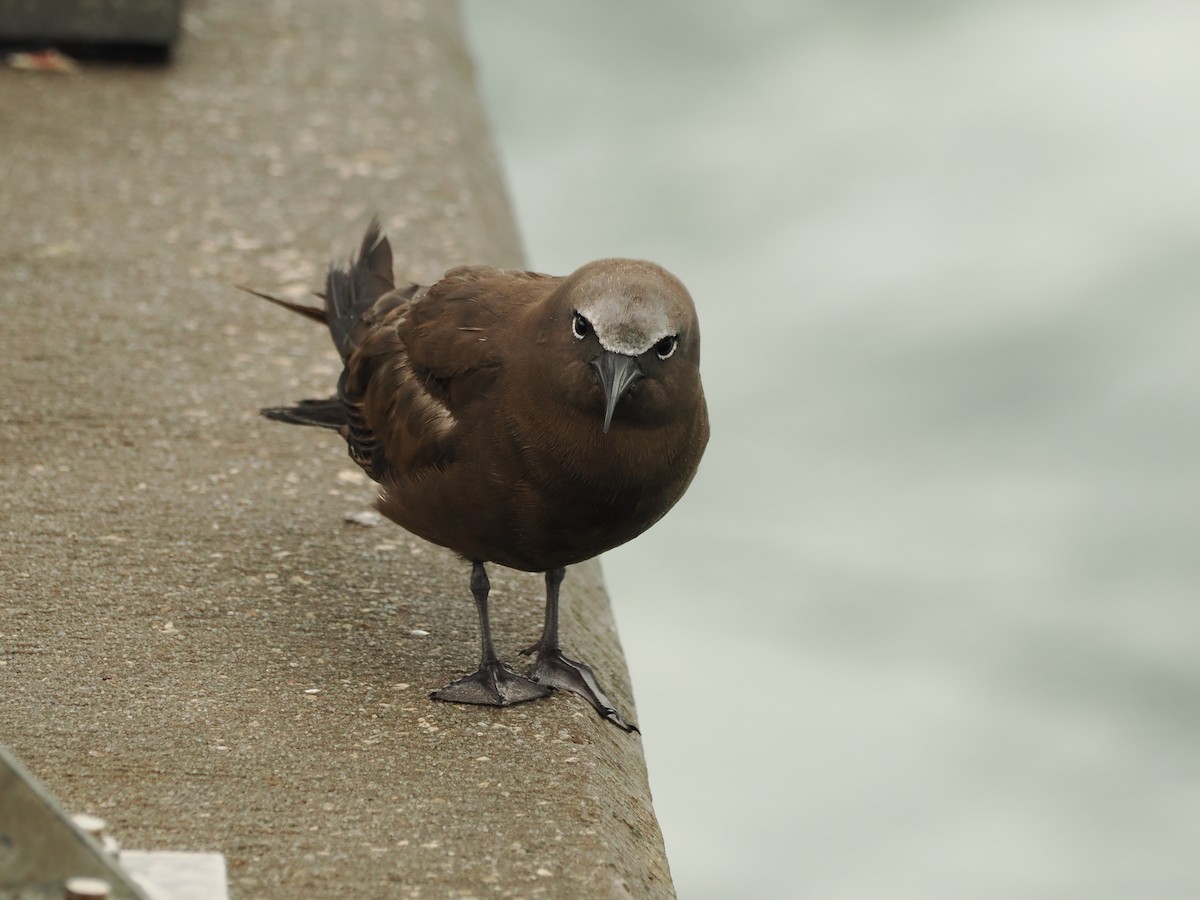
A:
580, 327
666, 346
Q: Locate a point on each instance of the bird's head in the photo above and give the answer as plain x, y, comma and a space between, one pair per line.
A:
628, 332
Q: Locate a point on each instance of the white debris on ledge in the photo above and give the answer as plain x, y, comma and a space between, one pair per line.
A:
367, 518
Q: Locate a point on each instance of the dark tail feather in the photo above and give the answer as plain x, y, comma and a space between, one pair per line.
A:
328, 413
309, 312
349, 292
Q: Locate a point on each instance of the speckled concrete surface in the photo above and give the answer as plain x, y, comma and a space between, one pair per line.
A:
194, 643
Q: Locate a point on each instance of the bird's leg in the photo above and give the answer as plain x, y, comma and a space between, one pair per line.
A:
554, 670
493, 684
549, 638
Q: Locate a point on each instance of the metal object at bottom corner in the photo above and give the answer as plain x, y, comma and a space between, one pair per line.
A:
44, 853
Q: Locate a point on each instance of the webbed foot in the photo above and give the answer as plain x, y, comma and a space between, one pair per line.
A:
492, 685
555, 670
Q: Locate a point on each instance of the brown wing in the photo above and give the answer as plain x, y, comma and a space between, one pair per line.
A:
421, 364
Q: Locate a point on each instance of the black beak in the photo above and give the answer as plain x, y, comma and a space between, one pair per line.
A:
617, 373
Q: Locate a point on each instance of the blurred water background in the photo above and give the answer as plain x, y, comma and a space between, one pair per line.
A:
928, 623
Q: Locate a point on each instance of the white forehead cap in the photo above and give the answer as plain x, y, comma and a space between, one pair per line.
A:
631, 305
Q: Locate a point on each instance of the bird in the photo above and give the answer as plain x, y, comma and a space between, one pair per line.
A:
516, 418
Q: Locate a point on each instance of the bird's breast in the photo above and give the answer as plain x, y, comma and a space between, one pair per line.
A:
537, 495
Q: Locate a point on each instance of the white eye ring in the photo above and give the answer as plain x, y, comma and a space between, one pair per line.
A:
580, 327
666, 347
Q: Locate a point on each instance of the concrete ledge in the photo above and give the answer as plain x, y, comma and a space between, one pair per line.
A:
193, 643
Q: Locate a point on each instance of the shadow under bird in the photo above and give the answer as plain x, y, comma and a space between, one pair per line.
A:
516, 418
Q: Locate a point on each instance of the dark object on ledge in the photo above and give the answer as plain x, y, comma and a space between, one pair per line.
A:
516, 418
90, 25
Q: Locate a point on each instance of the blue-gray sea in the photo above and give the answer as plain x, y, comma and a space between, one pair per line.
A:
927, 624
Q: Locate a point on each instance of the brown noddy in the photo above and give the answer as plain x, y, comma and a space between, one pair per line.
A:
516, 418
